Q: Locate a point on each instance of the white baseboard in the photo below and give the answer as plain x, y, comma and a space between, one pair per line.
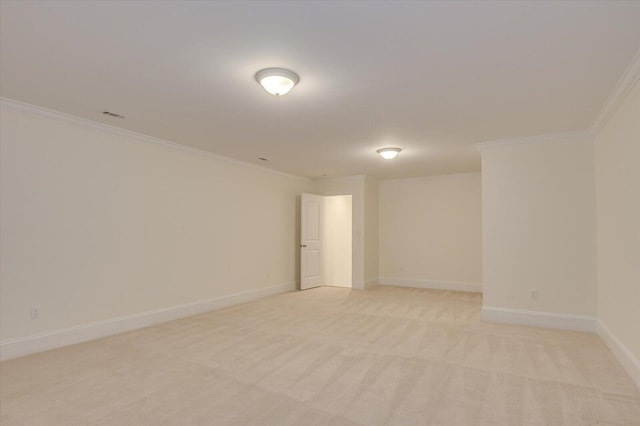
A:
630, 363
362, 285
358, 285
368, 285
13, 348
540, 319
432, 284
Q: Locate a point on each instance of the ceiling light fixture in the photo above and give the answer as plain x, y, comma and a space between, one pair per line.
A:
389, 153
277, 81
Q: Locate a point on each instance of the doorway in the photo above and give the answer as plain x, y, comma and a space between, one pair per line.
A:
326, 241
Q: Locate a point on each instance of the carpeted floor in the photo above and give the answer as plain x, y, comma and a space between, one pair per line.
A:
327, 356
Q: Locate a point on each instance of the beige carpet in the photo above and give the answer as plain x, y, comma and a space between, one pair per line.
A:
328, 356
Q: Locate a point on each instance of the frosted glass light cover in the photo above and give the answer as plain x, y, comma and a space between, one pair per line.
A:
389, 153
277, 85
277, 81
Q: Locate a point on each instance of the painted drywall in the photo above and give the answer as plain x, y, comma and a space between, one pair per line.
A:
354, 186
337, 219
431, 229
617, 153
538, 212
99, 224
371, 233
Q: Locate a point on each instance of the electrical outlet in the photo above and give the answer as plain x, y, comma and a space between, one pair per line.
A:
35, 312
533, 294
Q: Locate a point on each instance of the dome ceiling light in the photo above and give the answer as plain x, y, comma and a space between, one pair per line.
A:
389, 153
277, 81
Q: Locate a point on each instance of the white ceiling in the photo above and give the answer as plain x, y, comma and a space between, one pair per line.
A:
430, 77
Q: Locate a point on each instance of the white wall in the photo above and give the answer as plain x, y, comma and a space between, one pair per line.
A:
354, 186
99, 224
618, 215
431, 231
371, 233
538, 213
337, 219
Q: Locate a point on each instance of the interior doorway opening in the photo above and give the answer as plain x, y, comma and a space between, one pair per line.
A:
337, 263
326, 246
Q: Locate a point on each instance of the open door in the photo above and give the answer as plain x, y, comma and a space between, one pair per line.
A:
311, 242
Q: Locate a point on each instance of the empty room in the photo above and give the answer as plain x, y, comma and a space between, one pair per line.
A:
319, 212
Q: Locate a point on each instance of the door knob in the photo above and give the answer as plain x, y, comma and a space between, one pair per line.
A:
303, 245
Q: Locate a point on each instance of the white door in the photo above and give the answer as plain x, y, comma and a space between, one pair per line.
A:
311, 242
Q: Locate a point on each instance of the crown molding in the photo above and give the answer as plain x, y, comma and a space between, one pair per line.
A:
139, 136
625, 84
627, 81
549, 137
350, 178
428, 177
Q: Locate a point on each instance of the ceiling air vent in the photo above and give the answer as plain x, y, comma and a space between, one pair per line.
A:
112, 114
